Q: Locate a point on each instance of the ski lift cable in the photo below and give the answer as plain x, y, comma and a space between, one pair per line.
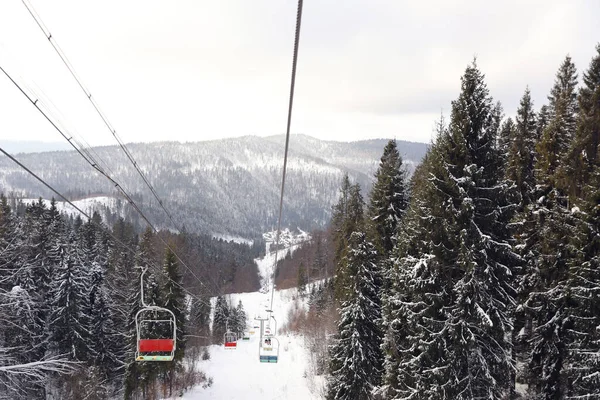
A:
117, 241
34, 14
94, 103
287, 141
90, 160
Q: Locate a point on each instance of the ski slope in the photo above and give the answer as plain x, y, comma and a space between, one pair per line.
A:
238, 374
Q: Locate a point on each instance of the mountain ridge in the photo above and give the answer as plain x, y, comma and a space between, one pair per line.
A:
226, 186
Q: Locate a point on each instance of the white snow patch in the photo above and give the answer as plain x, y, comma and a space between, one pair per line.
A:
88, 205
235, 239
238, 374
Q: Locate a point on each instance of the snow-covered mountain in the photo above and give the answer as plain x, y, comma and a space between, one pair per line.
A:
227, 187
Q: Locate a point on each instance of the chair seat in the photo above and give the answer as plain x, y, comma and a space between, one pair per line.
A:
154, 358
155, 345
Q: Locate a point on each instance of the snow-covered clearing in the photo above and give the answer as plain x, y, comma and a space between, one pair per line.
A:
235, 239
88, 205
238, 374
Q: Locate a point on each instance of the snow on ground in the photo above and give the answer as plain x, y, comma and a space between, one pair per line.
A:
255, 303
266, 265
238, 374
87, 205
235, 239
286, 238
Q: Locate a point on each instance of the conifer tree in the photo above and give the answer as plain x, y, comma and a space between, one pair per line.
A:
546, 250
521, 151
458, 295
583, 335
557, 136
174, 300
505, 136
542, 122
338, 218
220, 319
388, 199
353, 221
241, 319
68, 321
356, 356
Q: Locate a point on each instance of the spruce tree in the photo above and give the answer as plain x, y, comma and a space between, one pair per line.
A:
352, 221
583, 336
356, 356
547, 253
505, 136
419, 222
458, 303
521, 151
240, 320
557, 136
338, 218
220, 319
174, 299
388, 199
68, 321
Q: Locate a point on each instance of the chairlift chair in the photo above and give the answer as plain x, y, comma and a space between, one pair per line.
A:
155, 349
160, 348
269, 354
230, 340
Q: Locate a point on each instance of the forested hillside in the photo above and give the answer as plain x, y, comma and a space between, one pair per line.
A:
480, 277
228, 186
69, 291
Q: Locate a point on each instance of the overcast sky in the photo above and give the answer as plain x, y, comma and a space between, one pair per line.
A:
194, 70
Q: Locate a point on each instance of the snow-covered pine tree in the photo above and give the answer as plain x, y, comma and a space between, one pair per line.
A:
199, 320
413, 242
356, 356
32, 275
220, 319
521, 150
583, 336
505, 136
481, 204
559, 132
351, 221
542, 122
69, 302
174, 300
415, 292
241, 319
338, 218
388, 200
546, 248
458, 268
520, 170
